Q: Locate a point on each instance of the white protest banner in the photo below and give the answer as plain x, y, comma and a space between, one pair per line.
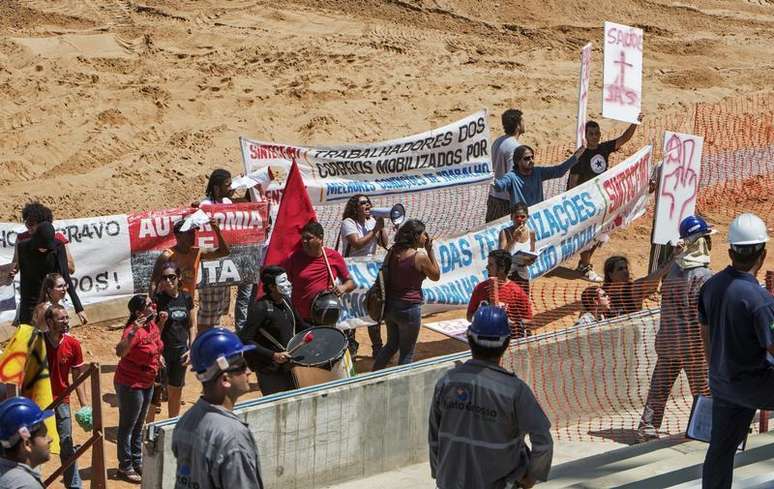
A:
563, 226
678, 185
451, 155
622, 85
114, 255
100, 250
583, 95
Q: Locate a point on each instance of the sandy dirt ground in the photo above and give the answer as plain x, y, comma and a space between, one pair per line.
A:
116, 106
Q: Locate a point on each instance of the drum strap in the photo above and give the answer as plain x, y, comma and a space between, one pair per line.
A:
328, 266
271, 338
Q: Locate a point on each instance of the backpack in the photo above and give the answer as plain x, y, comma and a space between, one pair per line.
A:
376, 296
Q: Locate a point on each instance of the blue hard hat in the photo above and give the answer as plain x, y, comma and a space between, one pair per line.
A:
18, 416
489, 327
216, 350
694, 225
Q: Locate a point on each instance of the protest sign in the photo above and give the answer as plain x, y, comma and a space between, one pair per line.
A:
622, 85
678, 185
583, 95
451, 155
563, 226
114, 255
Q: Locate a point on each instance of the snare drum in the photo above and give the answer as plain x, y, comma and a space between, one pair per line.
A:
320, 360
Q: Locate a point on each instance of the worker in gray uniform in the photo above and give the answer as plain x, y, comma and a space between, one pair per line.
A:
480, 414
213, 447
25, 442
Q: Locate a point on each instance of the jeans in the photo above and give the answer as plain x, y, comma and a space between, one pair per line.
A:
403, 322
243, 296
132, 408
64, 426
730, 423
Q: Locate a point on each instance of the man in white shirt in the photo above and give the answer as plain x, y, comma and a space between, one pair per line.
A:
498, 204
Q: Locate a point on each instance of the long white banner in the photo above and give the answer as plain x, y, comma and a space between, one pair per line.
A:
114, 255
451, 155
563, 225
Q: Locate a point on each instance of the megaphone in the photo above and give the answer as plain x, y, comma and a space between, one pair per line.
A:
396, 213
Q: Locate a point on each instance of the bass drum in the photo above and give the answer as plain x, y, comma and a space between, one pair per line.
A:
323, 359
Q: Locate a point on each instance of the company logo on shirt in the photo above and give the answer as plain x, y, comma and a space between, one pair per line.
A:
598, 164
462, 401
462, 394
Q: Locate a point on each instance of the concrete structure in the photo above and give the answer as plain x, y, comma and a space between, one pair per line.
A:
377, 422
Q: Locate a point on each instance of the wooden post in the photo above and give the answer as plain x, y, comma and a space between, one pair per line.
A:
763, 418
98, 470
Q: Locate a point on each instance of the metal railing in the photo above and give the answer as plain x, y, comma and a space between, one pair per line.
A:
97, 439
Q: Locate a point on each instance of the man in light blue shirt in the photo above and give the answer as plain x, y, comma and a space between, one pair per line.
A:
497, 203
525, 182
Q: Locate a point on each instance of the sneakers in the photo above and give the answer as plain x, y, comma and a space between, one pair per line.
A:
646, 432
588, 273
130, 476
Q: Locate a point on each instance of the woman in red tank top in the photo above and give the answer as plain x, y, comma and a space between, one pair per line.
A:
411, 261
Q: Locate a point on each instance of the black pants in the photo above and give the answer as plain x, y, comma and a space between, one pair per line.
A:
730, 423
273, 382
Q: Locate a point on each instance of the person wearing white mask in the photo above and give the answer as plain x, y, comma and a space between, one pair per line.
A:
678, 341
271, 322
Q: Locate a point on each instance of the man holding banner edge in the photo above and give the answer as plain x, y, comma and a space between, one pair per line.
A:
595, 161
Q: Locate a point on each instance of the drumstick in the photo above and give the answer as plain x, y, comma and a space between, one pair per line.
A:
308, 337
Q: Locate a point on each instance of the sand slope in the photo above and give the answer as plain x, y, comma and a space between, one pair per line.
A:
107, 107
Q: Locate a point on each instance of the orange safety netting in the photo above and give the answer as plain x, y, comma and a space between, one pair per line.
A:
595, 381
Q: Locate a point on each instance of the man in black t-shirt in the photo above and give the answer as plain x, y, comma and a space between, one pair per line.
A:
594, 162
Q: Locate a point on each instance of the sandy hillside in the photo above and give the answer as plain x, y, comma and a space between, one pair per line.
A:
114, 106
107, 107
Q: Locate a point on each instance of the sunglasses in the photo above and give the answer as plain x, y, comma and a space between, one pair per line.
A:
171, 277
363, 202
237, 369
527, 158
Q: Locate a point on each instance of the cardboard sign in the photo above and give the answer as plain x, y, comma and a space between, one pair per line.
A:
622, 86
678, 185
583, 95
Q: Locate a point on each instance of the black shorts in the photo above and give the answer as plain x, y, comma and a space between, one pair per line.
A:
173, 357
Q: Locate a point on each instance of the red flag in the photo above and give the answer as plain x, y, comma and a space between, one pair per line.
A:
295, 211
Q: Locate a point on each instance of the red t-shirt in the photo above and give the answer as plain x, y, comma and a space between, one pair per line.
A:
62, 359
25, 235
138, 368
510, 296
309, 276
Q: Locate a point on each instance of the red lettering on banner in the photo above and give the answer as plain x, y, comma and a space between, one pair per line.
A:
625, 186
627, 39
240, 224
618, 92
272, 152
680, 181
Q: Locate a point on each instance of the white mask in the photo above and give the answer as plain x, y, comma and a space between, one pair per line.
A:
283, 284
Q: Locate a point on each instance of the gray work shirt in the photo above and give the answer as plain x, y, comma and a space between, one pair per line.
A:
14, 475
478, 419
214, 450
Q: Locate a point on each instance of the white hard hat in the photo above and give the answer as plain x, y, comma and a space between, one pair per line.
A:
747, 229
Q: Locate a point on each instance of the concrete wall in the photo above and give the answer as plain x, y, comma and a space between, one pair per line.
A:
378, 422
